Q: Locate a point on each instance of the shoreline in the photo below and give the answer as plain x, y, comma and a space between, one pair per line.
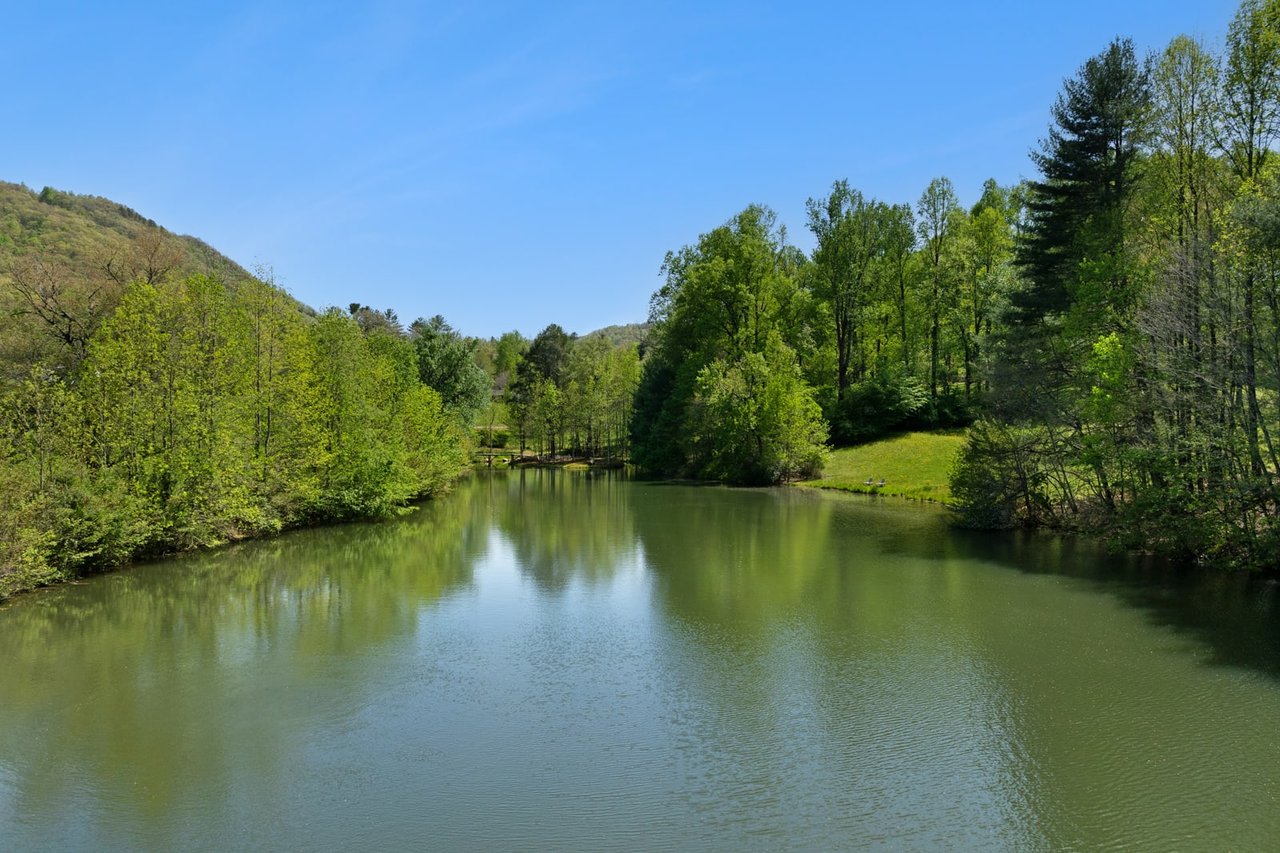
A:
871, 492
175, 553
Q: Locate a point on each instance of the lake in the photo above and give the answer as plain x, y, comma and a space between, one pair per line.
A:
559, 660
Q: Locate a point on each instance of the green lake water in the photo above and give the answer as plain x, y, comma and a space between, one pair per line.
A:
565, 661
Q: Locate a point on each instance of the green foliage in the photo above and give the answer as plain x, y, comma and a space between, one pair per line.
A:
950, 409
887, 401
163, 384
200, 415
754, 421
574, 394
96, 521
599, 382
1089, 164
548, 353
850, 231
1250, 113
508, 350
939, 223
433, 451
496, 438
1066, 361
64, 262
622, 336
446, 362
722, 396
997, 481
28, 539
658, 439
1135, 386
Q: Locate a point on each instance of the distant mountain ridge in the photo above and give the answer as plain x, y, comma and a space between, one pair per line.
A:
619, 335
55, 220
64, 261
65, 258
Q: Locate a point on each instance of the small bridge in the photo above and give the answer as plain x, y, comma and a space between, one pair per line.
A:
489, 455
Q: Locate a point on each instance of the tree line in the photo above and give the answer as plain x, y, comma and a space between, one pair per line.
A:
198, 412
1135, 379
568, 395
760, 354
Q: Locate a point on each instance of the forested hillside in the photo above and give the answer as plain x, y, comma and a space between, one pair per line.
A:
155, 396
65, 260
627, 334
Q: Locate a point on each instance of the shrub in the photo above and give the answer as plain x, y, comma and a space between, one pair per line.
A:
997, 480
877, 406
496, 438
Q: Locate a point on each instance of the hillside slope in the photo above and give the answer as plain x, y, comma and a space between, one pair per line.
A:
64, 259
629, 333
154, 396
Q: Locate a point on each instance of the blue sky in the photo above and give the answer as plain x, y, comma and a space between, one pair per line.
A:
512, 165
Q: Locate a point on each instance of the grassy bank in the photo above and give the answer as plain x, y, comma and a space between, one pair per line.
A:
913, 465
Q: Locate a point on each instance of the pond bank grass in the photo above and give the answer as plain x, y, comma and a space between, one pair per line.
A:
913, 465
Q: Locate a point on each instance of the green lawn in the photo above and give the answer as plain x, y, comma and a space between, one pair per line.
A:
913, 465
